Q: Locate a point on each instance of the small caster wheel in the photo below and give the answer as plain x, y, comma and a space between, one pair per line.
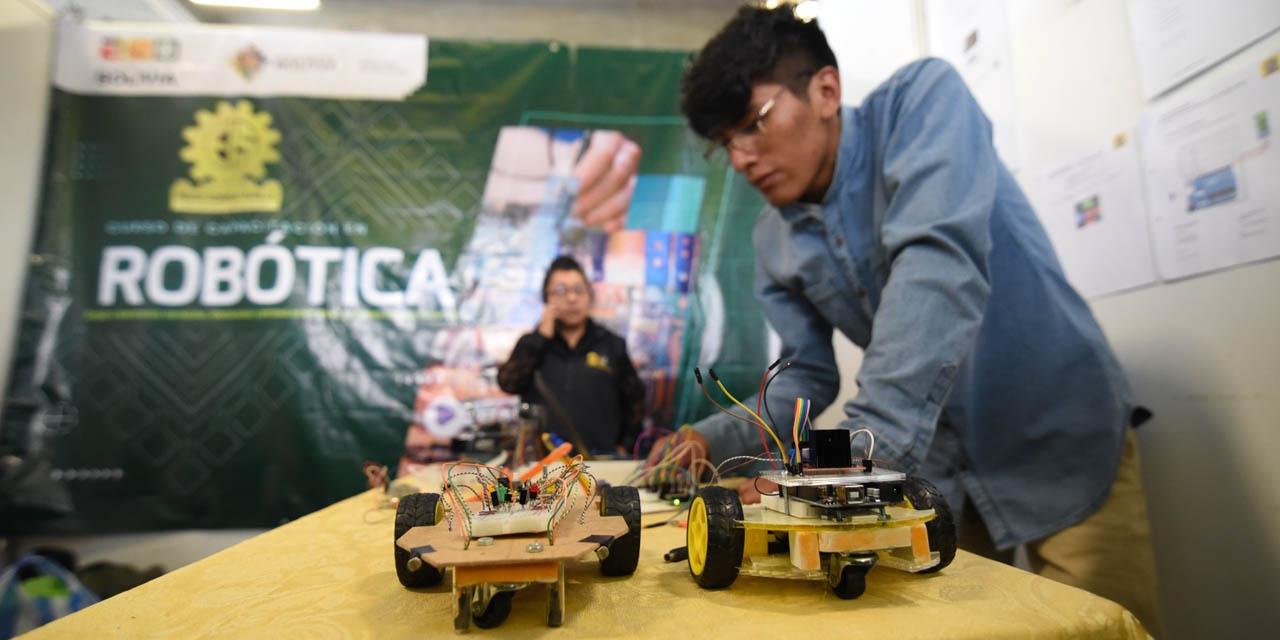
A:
853, 581
497, 611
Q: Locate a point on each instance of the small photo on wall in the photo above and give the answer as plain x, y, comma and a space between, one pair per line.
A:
1088, 212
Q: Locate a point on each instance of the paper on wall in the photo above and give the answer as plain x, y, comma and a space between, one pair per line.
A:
1096, 218
1176, 39
1211, 170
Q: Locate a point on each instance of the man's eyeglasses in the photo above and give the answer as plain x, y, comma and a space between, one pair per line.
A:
561, 291
744, 138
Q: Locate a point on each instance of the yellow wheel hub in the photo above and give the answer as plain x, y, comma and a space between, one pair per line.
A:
696, 538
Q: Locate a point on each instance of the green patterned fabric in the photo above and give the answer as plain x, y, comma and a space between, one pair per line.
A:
147, 416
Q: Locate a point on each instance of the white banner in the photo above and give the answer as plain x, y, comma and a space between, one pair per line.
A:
179, 60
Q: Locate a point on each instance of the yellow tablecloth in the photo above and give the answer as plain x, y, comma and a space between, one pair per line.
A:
331, 575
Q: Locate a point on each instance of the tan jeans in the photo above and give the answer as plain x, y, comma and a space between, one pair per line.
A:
1108, 554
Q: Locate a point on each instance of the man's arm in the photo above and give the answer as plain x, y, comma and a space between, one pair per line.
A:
515, 376
806, 343
941, 170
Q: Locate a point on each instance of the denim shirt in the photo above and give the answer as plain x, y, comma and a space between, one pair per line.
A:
926, 254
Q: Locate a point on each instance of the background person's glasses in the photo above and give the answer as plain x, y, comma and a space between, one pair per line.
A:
562, 291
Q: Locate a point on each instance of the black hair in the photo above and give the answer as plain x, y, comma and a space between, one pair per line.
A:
562, 263
757, 44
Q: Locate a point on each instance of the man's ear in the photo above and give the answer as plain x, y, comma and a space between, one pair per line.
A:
824, 91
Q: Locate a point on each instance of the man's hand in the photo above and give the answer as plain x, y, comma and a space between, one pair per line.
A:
606, 180
689, 447
749, 491
547, 324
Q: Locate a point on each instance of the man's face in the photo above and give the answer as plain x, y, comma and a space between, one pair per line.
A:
783, 147
569, 296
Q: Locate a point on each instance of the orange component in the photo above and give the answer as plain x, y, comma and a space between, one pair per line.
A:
804, 550
920, 543
464, 576
865, 540
561, 451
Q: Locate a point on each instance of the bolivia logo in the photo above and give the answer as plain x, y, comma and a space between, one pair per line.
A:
228, 150
248, 61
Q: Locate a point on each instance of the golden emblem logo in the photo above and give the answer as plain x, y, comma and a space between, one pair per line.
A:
597, 361
228, 149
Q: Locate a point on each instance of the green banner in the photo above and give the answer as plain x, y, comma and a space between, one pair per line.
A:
234, 302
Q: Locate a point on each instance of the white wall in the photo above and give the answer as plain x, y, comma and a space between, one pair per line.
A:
1203, 353
26, 31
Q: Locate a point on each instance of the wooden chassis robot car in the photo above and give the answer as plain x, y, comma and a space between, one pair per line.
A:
489, 564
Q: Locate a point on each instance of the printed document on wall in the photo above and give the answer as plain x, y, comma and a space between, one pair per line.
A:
1212, 165
973, 35
1095, 216
1176, 39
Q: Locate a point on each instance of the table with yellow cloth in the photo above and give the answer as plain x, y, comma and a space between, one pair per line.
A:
331, 575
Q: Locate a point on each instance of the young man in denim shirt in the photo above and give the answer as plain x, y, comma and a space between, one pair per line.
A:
896, 223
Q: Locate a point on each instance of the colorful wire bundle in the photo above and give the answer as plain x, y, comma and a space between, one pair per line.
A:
453, 494
764, 379
801, 419
559, 486
764, 391
697, 374
562, 485
669, 468
781, 449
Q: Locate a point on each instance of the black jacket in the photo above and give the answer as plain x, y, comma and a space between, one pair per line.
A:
595, 385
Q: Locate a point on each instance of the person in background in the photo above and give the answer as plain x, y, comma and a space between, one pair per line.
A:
896, 223
581, 365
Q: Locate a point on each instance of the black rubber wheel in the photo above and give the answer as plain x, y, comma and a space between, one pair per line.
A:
715, 538
497, 611
624, 551
942, 529
415, 510
853, 581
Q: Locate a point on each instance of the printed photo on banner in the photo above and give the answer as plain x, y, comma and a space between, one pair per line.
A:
640, 278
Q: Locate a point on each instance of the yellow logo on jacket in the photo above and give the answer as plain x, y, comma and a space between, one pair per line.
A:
228, 149
597, 361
